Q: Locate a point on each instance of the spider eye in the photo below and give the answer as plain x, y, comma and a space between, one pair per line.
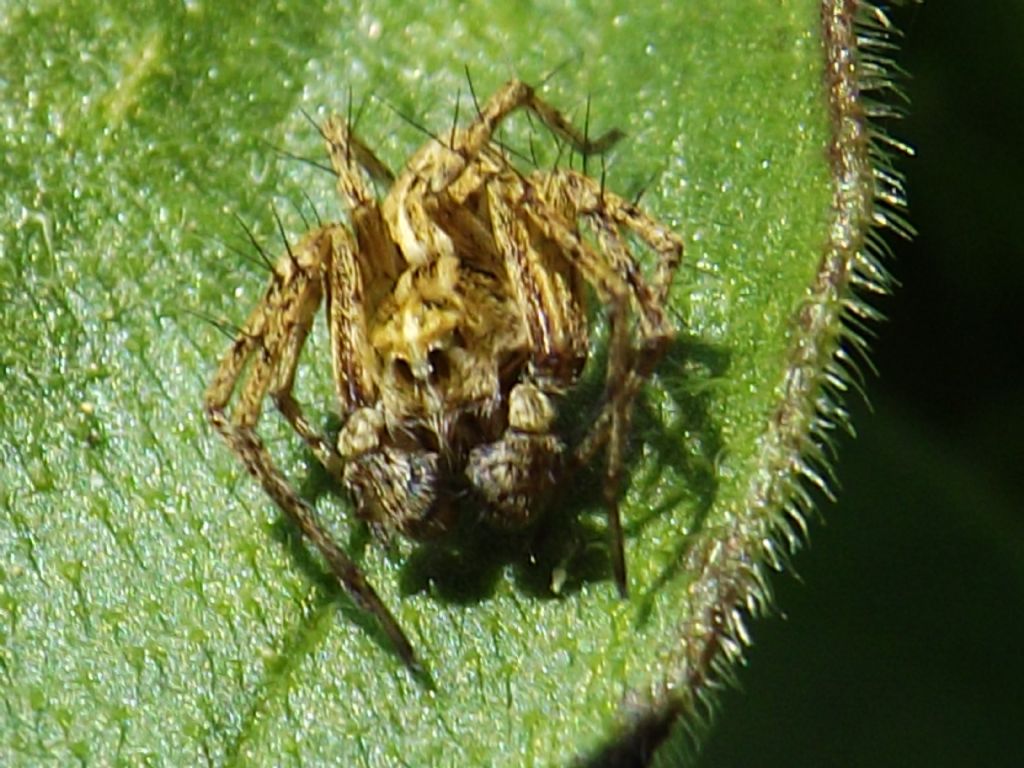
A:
403, 371
440, 368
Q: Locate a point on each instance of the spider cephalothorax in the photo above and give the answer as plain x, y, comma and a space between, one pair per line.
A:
456, 311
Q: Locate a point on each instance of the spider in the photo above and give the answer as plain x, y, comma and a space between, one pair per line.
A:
456, 309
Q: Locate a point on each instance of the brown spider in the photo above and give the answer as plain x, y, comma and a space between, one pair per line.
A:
456, 313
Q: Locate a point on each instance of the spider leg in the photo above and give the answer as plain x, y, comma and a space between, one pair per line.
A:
467, 144
550, 319
261, 360
655, 334
516, 472
347, 279
562, 198
609, 214
347, 152
271, 340
354, 164
545, 293
296, 299
614, 293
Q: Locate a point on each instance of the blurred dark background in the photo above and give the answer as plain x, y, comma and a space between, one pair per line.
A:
901, 643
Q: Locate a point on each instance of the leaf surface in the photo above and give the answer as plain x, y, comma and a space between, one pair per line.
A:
153, 605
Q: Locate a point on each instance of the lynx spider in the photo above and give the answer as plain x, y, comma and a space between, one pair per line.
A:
456, 312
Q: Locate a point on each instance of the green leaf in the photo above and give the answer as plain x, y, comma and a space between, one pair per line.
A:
154, 608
